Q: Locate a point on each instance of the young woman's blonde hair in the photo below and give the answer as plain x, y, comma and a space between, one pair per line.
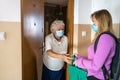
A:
104, 21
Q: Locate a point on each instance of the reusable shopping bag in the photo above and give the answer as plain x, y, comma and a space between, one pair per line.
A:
76, 73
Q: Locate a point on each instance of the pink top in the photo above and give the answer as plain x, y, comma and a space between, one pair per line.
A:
103, 56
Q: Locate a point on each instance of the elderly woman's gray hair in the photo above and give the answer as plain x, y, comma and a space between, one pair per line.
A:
56, 23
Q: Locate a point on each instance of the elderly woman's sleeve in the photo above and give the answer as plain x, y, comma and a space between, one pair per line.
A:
48, 43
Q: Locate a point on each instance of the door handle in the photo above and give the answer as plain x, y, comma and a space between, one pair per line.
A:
42, 47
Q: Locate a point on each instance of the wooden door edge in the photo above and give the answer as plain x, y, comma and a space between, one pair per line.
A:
70, 24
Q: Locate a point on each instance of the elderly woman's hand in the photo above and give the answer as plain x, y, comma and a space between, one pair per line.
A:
67, 58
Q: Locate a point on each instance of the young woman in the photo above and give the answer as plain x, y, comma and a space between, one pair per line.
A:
105, 48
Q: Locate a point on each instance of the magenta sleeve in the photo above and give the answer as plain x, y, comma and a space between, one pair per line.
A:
104, 46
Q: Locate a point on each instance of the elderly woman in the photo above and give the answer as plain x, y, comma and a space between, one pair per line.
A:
55, 54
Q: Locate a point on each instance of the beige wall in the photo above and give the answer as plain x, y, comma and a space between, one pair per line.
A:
116, 29
10, 51
81, 44
84, 41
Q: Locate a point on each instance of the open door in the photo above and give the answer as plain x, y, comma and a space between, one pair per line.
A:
32, 38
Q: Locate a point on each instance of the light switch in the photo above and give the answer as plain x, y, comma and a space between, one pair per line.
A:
83, 33
2, 35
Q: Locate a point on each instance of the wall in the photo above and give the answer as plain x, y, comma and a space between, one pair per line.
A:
113, 7
82, 22
10, 10
10, 48
82, 11
84, 41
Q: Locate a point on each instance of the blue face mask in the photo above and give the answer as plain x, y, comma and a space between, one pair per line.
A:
59, 33
94, 28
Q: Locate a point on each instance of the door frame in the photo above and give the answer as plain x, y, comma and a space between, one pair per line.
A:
70, 24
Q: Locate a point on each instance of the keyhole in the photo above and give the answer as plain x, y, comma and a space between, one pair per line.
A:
34, 5
34, 24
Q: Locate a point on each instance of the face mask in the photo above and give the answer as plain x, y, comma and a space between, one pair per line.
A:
59, 33
94, 28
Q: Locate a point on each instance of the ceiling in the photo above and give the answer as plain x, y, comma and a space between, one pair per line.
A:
58, 2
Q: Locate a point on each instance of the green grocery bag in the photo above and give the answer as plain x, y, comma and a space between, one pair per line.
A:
77, 73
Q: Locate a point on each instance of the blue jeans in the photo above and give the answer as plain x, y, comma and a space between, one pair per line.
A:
52, 75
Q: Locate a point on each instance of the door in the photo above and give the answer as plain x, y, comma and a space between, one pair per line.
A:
32, 38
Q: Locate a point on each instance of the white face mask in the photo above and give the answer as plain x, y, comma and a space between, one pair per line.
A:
59, 33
